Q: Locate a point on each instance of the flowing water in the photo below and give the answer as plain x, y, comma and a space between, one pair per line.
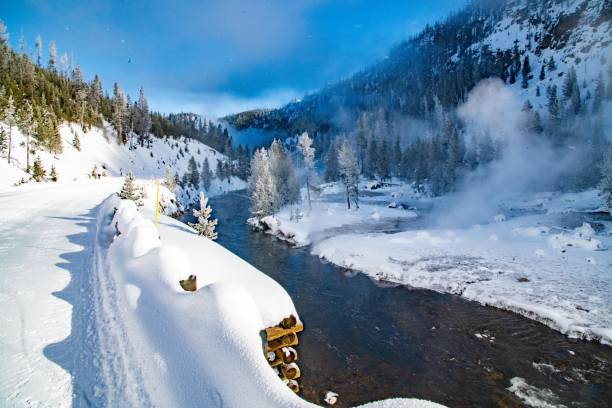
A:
366, 340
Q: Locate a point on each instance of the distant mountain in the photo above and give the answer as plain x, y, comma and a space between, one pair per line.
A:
440, 65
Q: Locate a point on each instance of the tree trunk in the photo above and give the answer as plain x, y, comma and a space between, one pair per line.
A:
348, 198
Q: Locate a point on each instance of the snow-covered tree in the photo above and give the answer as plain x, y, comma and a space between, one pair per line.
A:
284, 176
262, 189
206, 175
308, 154
38, 171
142, 118
118, 112
52, 56
76, 142
3, 141
39, 45
205, 226
349, 173
3, 34
8, 116
606, 181
130, 191
169, 180
332, 171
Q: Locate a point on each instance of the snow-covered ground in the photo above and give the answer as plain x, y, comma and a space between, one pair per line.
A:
99, 148
545, 256
92, 313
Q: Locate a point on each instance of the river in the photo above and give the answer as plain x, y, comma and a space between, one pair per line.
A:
367, 340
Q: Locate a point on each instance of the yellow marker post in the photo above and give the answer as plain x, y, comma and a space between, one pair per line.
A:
156, 202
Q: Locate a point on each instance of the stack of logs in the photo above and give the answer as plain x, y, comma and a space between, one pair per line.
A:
278, 348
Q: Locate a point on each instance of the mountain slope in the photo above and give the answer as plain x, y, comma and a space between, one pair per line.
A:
445, 61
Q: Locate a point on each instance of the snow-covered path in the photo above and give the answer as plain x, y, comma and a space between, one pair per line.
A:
46, 248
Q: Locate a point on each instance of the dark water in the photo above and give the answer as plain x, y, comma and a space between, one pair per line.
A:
368, 341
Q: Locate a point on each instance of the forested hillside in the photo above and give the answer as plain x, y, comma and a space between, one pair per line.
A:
401, 114
38, 94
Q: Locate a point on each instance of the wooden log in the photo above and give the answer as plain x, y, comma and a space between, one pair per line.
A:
288, 322
290, 371
276, 332
289, 339
288, 354
293, 385
189, 284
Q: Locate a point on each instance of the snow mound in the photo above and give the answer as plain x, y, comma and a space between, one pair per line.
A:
581, 238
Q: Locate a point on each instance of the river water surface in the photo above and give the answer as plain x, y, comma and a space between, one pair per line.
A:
368, 341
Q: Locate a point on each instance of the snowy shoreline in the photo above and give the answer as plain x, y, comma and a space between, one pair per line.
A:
524, 262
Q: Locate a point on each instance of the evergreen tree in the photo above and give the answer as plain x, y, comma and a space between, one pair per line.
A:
26, 126
38, 43
553, 108
76, 142
206, 174
599, 96
118, 113
349, 173
3, 141
308, 155
8, 116
142, 118
38, 172
605, 184
525, 72
552, 65
205, 226
52, 65
396, 157
332, 169
130, 191
542, 73
194, 174
53, 174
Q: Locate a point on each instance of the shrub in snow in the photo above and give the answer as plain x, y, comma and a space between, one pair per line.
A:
130, 191
205, 226
38, 172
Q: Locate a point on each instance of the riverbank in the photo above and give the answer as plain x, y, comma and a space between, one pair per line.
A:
546, 256
368, 340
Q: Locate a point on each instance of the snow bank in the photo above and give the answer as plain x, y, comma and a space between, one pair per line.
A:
562, 280
99, 148
188, 349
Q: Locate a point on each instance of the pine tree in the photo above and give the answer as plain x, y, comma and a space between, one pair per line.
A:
525, 72
349, 173
553, 108
118, 113
130, 191
53, 174
38, 172
194, 175
332, 170
76, 142
8, 115
308, 155
205, 226
605, 184
599, 95
206, 175
38, 43
26, 125
52, 65
142, 119
552, 65
542, 73
3, 141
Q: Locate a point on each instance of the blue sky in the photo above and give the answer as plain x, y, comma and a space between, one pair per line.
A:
221, 56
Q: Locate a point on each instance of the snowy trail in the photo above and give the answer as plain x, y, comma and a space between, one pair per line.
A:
46, 253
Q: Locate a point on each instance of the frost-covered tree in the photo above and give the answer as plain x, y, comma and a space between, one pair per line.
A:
554, 111
262, 190
8, 116
39, 45
206, 175
349, 173
130, 191
194, 174
118, 112
284, 176
205, 226
605, 184
3, 141
308, 154
38, 171
600, 94
52, 65
169, 180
